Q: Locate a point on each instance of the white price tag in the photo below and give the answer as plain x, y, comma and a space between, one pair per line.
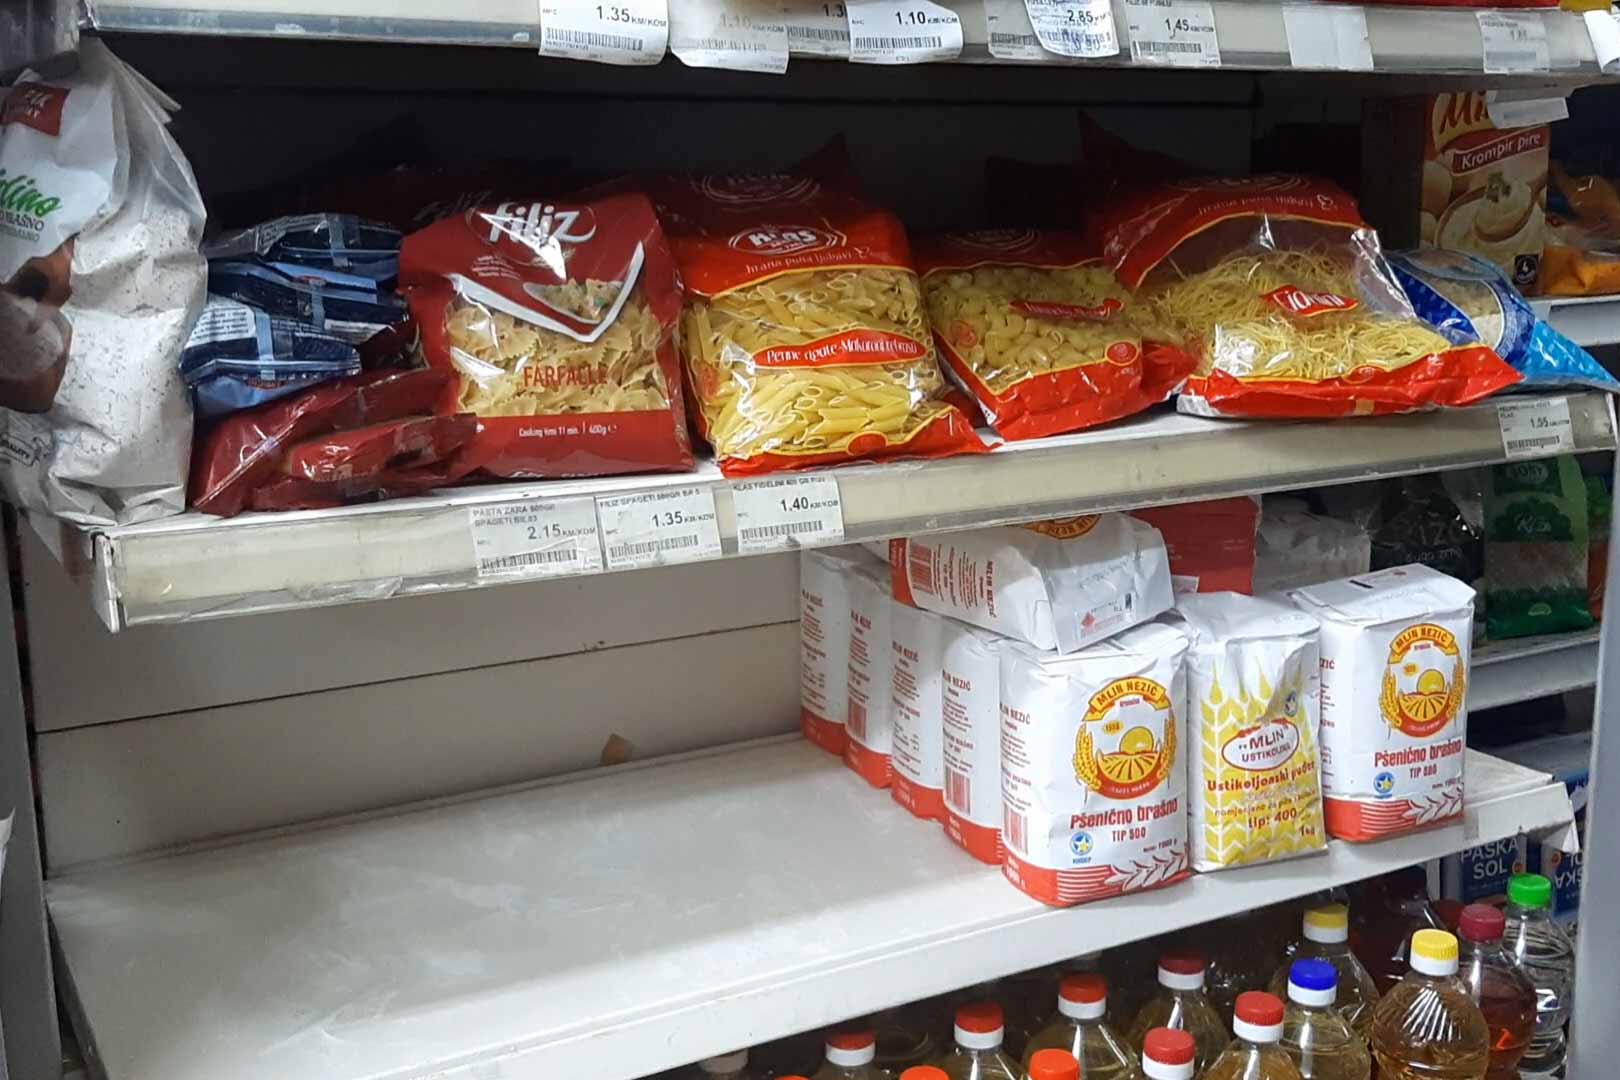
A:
741, 35
1011, 35
817, 28
1514, 41
1604, 30
535, 538
1328, 37
902, 32
1535, 427
655, 528
1083, 28
1176, 32
621, 32
1512, 109
787, 512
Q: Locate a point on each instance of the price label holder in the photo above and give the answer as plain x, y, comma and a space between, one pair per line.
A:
1514, 42
1327, 37
1012, 37
1076, 28
1604, 30
657, 528
535, 538
625, 32
817, 28
1535, 427
1180, 33
738, 35
787, 512
902, 32
1525, 108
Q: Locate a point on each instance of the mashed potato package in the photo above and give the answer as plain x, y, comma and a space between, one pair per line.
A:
557, 320
1037, 329
1279, 289
970, 711
1058, 585
824, 625
919, 758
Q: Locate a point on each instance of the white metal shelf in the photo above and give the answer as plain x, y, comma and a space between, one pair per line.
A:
1504, 672
1587, 320
607, 925
194, 566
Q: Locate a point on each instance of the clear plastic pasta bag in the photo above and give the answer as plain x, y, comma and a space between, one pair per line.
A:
1280, 291
557, 320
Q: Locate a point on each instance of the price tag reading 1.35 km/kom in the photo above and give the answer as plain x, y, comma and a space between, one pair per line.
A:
902, 32
1176, 32
655, 528
1514, 41
622, 32
787, 512
1536, 427
817, 28
536, 538
1083, 28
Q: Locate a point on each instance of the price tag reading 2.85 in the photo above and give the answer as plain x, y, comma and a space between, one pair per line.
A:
787, 512
535, 538
656, 528
1180, 33
1082, 28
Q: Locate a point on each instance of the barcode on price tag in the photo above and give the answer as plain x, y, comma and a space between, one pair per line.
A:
787, 512
1011, 35
626, 32
535, 538
817, 27
1514, 41
655, 528
902, 32
1176, 32
739, 35
1536, 427
1082, 28
1327, 36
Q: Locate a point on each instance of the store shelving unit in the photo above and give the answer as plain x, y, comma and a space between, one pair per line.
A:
1587, 320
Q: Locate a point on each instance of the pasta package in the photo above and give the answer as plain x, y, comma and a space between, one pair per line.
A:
804, 334
1280, 291
557, 321
1040, 332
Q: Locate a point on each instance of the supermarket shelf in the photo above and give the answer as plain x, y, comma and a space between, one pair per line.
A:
1505, 672
606, 925
1588, 320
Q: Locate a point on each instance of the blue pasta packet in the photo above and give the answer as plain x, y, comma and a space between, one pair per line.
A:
337, 303
334, 241
1463, 294
238, 357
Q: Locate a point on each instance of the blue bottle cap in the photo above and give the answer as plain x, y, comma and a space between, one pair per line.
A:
1313, 975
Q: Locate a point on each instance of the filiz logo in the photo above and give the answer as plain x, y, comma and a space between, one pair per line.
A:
22, 204
534, 226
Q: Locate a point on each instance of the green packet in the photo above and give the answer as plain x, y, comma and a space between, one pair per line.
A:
1537, 540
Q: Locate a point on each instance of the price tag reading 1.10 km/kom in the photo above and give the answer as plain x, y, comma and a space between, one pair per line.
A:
1176, 32
536, 538
1082, 28
902, 32
622, 32
655, 528
787, 512
1536, 427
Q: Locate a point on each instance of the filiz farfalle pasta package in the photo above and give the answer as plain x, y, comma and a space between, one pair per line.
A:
557, 320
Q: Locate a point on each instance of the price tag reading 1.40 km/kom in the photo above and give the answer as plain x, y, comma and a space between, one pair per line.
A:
626, 32
787, 512
1514, 41
902, 32
1082, 28
1176, 32
655, 528
1536, 427
817, 28
536, 538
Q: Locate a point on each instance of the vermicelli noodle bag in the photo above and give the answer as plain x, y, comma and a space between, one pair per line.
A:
1279, 289
1038, 330
1093, 767
970, 708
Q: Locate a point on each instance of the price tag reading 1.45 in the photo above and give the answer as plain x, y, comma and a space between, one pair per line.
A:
536, 538
787, 512
1176, 32
1535, 427
902, 32
655, 528
1083, 28
626, 32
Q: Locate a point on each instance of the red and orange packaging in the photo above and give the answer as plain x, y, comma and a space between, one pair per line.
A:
1211, 544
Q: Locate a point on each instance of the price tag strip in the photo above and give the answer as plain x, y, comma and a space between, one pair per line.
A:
787, 512
1012, 36
1535, 427
739, 35
902, 32
1180, 33
1078, 28
536, 538
1327, 37
626, 32
1513, 109
815, 28
1514, 42
657, 528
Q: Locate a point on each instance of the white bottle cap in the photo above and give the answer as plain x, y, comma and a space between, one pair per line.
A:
1328, 924
850, 1048
1182, 970
1434, 952
1083, 996
724, 1063
1258, 1017
980, 1026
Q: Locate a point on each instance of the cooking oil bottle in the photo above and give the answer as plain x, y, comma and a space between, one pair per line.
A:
732, 1066
1326, 936
1427, 1026
1393, 908
1504, 994
1181, 1004
1316, 1034
980, 1031
1052, 1065
1081, 1029
1168, 1054
851, 1054
903, 1038
1255, 1053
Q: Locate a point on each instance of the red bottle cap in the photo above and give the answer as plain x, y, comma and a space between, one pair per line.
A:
1450, 912
924, 1072
1259, 1007
1086, 988
980, 1017
1168, 1046
1183, 962
852, 1039
1044, 1065
1481, 922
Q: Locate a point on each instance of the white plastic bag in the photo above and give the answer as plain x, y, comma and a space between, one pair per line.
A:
824, 644
100, 282
919, 756
869, 749
970, 713
1295, 548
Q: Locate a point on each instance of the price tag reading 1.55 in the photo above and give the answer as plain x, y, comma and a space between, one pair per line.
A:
535, 538
655, 528
1176, 32
902, 32
787, 512
1535, 427
626, 32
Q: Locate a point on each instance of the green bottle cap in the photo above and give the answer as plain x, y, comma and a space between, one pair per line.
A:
1529, 891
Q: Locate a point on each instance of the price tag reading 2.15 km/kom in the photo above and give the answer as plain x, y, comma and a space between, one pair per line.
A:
656, 528
626, 32
1082, 28
787, 512
536, 538
1176, 32
902, 32
1536, 427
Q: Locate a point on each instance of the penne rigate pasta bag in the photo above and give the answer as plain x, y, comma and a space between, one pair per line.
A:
804, 334
1039, 331
1280, 291
557, 320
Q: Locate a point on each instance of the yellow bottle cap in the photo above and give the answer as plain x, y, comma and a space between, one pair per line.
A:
1328, 923
1434, 952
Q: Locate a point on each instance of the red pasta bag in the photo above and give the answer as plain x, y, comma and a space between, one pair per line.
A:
556, 320
1039, 332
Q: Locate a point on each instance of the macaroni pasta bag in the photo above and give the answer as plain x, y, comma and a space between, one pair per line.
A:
1038, 330
970, 712
918, 639
869, 748
1280, 291
557, 321
824, 626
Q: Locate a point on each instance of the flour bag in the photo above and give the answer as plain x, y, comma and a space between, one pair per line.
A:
100, 282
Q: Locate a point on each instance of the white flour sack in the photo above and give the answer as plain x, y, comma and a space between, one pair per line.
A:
1253, 768
1055, 584
970, 713
1394, 680
869, 747
918, 639
1093, 769
824, 644
100, 281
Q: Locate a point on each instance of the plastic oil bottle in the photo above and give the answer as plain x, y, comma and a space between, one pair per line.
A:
851, 1055
1427, 1027
1168, 1054
1316, 1034
1502, 991
732, 1066
1393, 908
1326, 936
1543, 950
1052, 1065
1181, 1004
903, 1038
1081, 1029
978, 1055
1255, 1053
